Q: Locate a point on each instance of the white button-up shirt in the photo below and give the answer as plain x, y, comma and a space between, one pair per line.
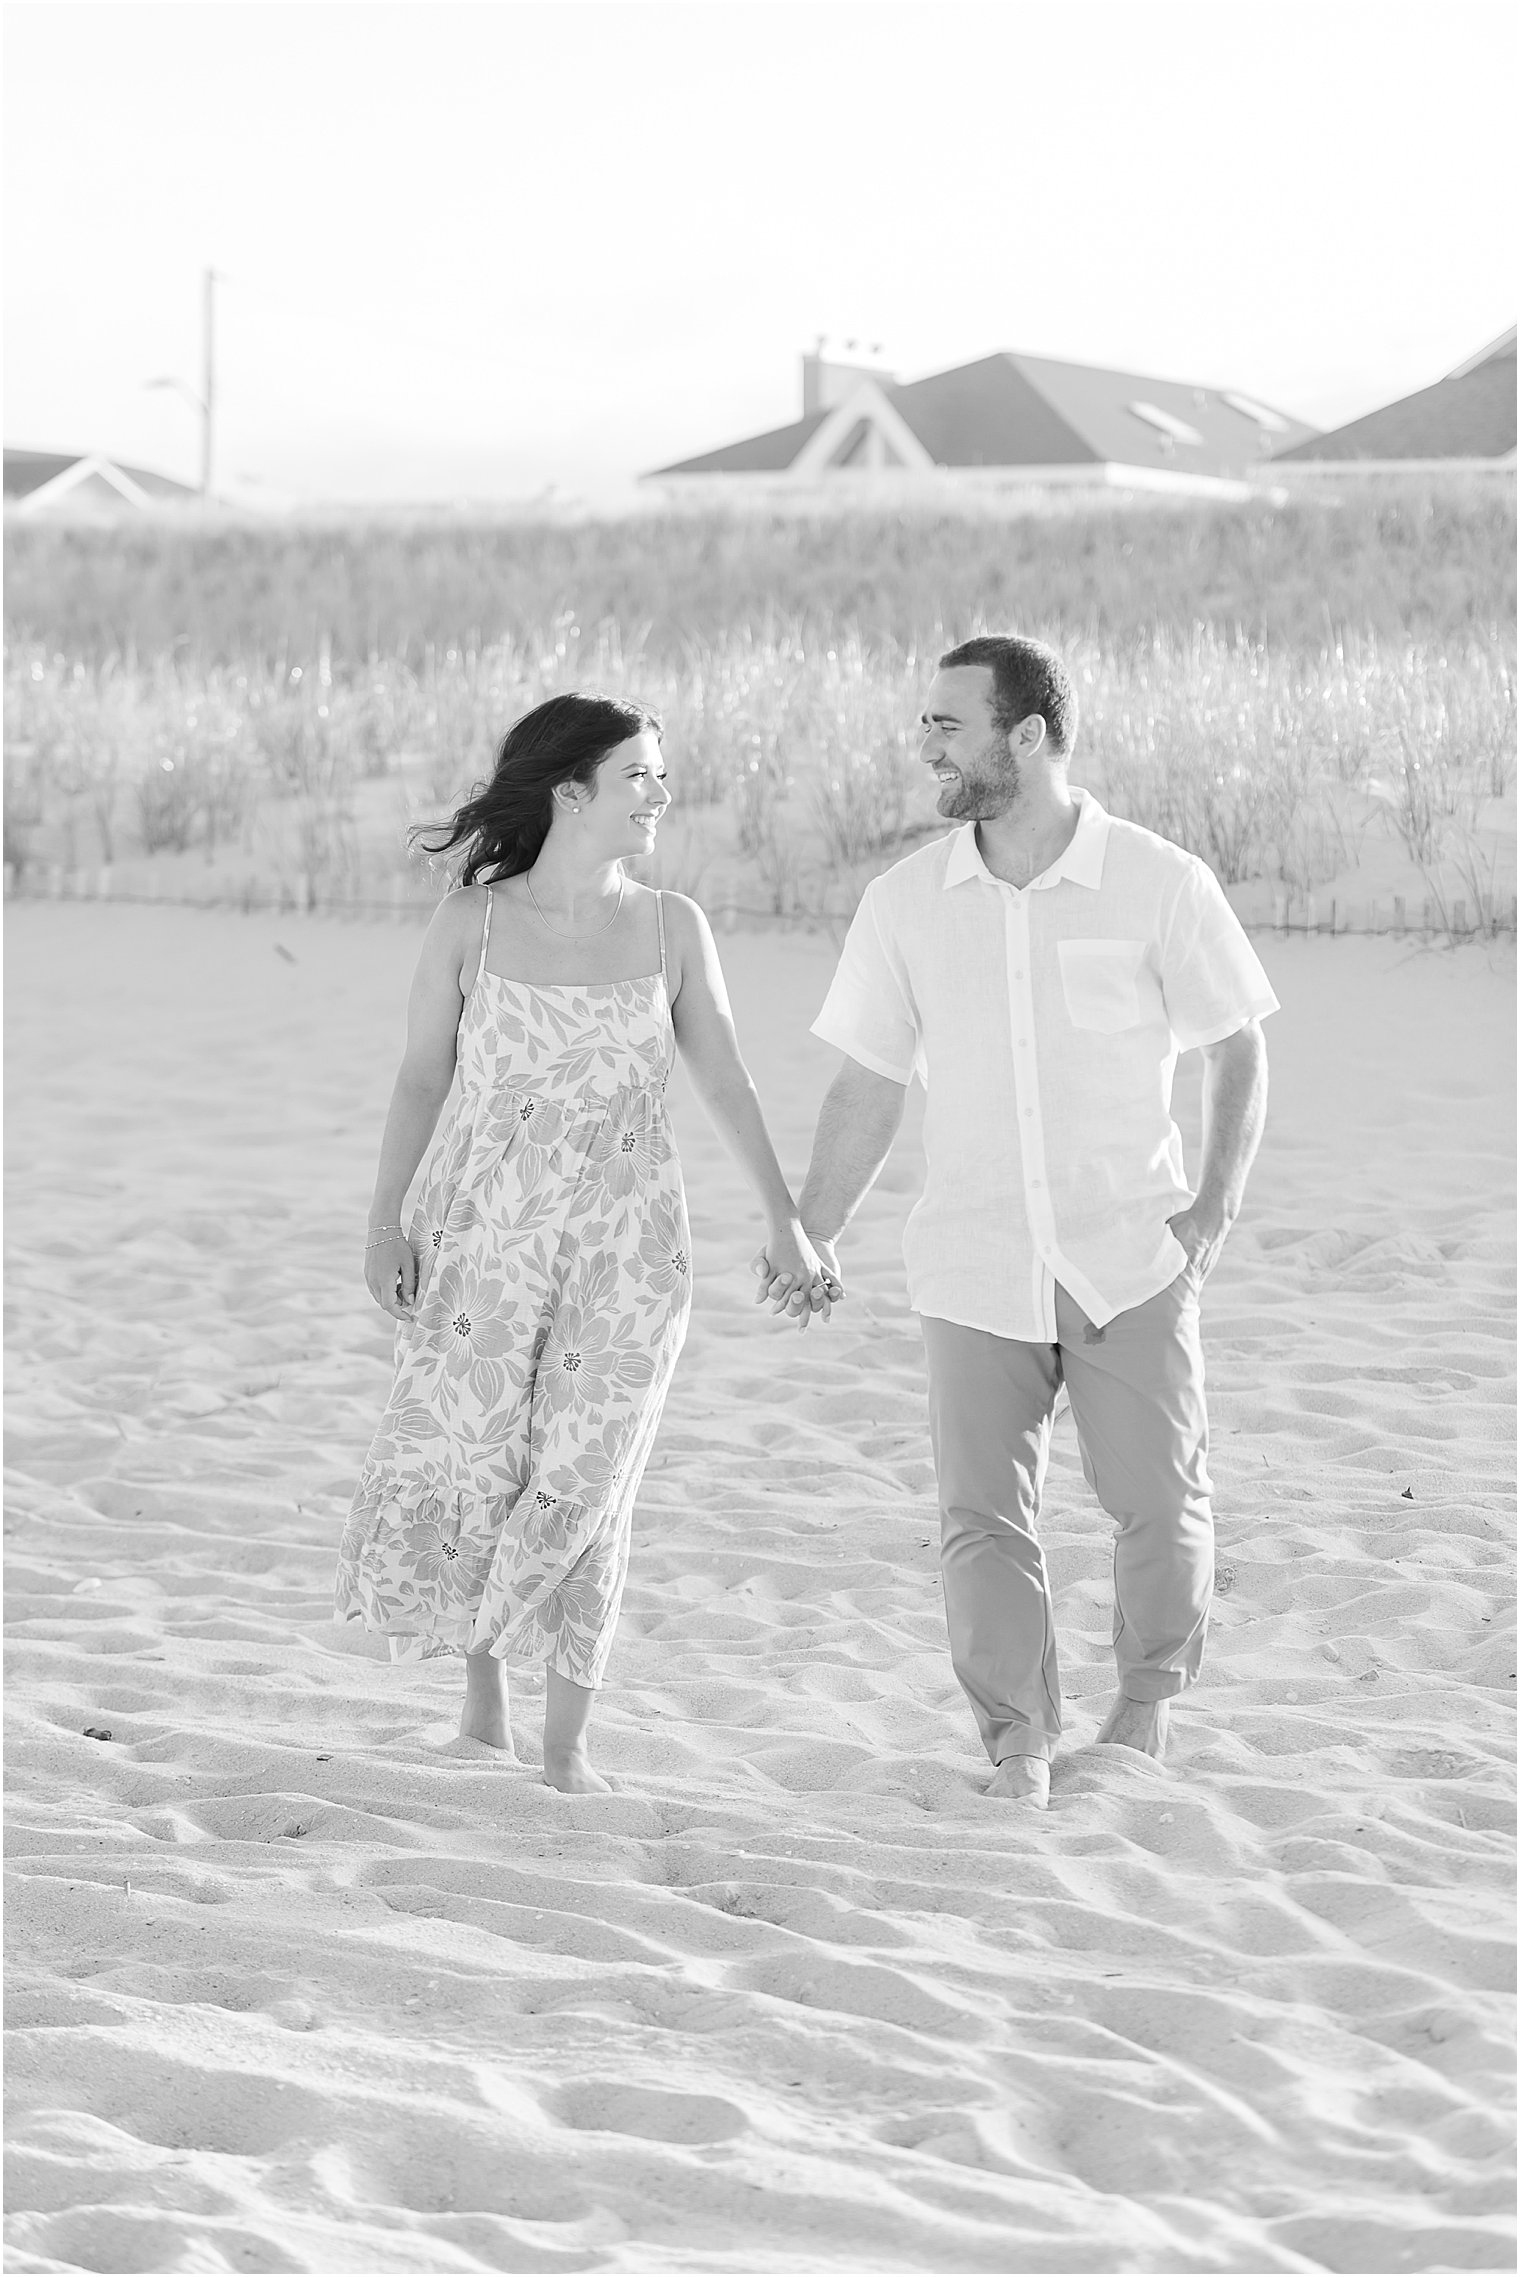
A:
1044, 1022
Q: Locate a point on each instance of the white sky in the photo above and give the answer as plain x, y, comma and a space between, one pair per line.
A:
474, 249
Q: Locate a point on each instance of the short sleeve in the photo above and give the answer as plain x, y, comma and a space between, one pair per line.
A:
1211, 977
869, 1010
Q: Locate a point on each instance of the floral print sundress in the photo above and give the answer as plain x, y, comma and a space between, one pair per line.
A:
495, 1506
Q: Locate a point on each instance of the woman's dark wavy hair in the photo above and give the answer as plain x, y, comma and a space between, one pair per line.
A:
502, 827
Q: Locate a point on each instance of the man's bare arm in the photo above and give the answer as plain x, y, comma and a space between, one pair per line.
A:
1234, 1116
857, 1123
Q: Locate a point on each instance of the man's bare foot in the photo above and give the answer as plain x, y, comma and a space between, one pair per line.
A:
569, 1769
1021, 1779
1136, 1723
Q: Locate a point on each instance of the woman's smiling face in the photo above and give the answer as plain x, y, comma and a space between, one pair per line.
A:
631, 796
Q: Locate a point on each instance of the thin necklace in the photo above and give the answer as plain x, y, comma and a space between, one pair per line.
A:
573, 935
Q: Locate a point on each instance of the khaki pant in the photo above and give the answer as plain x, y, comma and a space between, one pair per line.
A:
1137, 1400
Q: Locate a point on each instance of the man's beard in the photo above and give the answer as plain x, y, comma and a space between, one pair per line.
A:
987, 788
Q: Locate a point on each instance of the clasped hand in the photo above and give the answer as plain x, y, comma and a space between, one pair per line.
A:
797, 1276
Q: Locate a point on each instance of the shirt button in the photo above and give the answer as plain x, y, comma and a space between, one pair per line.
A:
1023, 1043
1028, 1111
1037, 1184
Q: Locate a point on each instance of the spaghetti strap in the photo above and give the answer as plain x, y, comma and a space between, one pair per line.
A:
485, 935
659, 910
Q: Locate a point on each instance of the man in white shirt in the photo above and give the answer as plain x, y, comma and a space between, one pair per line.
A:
1039, 970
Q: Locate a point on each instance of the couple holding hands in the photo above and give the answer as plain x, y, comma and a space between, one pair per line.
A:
1038, 968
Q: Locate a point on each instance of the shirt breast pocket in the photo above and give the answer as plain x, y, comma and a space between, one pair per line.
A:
1101, 983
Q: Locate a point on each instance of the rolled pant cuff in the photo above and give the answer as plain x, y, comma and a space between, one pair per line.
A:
1154, 1684
1044, 1749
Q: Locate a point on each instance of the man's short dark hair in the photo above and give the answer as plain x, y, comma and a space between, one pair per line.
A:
1026, 677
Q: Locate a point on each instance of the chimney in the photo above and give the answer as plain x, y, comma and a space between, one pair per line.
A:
836, 366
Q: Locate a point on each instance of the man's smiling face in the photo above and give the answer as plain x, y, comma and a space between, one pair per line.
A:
977, 773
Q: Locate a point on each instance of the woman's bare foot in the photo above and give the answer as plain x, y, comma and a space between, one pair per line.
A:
484, 1715
1136, 1723
569, 1769
490, 1728
1021, 1779
567, 1711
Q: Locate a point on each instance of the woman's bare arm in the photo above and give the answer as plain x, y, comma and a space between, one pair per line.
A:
449, 950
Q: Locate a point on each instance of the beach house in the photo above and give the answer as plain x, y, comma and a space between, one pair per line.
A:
1466, 419
1005, 422
86, 483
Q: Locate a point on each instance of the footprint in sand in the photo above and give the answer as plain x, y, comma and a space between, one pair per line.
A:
655, 2114
857, 1988
457, 2165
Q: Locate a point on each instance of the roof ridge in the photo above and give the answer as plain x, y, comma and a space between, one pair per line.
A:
1492, 353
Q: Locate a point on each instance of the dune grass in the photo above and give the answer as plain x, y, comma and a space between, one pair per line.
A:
1403, 559
1262, 685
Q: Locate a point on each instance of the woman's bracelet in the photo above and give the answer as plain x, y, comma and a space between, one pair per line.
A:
381, 1233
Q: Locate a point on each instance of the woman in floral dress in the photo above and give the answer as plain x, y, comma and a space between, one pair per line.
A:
542, 1281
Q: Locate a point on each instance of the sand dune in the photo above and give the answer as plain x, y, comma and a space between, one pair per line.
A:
296, 1985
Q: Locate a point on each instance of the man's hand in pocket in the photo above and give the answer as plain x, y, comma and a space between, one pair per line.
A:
1202, 1235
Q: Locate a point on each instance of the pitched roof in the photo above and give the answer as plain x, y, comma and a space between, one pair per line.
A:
1504, 345
1470, 415
26, 471
988, 414
757, 454
1011, 410
1103, 407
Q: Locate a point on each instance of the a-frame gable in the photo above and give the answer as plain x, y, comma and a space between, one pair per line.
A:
93, 467
863, 429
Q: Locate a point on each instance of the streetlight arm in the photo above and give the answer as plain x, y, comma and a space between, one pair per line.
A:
204, 401
181, 387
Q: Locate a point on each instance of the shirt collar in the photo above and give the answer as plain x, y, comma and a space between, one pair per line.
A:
1081, 861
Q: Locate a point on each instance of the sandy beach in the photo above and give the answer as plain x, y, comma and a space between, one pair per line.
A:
295, 1987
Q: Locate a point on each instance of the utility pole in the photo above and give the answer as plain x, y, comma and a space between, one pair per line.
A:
205, 402
208, 378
